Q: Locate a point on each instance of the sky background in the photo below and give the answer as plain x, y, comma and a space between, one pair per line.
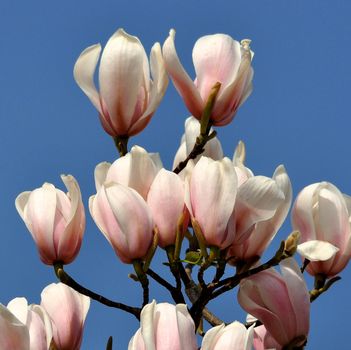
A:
298, 115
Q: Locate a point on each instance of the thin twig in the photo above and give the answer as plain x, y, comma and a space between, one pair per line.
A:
63, 276
176, 294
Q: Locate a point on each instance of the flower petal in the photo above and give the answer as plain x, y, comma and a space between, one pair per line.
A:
317, 250
100, 174
83, 73
180, 78
298, 294
157, 91
71, 239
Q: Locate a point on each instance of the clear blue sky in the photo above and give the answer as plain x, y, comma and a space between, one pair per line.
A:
298, 115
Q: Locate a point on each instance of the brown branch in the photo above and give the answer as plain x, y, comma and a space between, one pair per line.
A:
176, 294
63, 276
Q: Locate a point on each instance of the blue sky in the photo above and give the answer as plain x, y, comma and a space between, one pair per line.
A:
298, 115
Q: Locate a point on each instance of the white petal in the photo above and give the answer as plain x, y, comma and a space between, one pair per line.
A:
158, 88
83, 73
100, 174
21, 202
19, 307
317, 250
147, 325
180, 78
211, 336
239, 154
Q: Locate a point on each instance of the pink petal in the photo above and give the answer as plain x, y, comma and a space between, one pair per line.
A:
212, 190
39, 215
298, 294
166, 202
71, 239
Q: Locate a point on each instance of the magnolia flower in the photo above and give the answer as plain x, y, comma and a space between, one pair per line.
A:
234, 336
164, 327
166, 202
14, 334
37, 321
128, 97
210, 197
265, 228
280, 302
217, 58
322, 215
137, 169
125, 220
67, 310
56, 220
257, 200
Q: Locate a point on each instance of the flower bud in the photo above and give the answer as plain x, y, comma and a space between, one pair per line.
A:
125, 220
56, 220
164, 327
166, 202
67, 310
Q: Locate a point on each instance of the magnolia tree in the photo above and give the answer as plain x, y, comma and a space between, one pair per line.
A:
212, 217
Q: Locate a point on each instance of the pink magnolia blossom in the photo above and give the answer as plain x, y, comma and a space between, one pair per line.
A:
14, 334
36, 320
210, 197
166, 202
257, 200
217, 58
56, 220
234, 336
125, 220
164, 327
67, 310
280, 302
266, 226
322, 214
137, 169
128, 97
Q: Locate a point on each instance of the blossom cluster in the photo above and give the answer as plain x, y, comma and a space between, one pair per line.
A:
226, 214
